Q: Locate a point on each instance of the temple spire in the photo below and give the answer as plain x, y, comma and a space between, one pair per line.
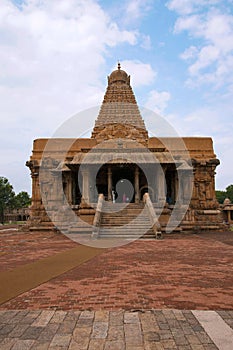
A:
119, 107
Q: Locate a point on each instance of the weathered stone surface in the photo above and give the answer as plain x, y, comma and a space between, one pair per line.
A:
43, 319
23, 345
49, 331
61, 340
58, 317
114, 335
114, 345
32, 332
41, 345
100, 330
66, 327
131, 317
18, 330
6, 329
81, 344
101, 316
133, 335
96, 344
115, 332
7, 343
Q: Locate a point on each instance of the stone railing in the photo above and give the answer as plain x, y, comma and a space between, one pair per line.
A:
152, 216
98, 216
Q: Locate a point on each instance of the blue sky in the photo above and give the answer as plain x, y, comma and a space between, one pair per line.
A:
55, 56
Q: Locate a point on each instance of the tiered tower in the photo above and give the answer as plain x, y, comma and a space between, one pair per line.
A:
119, 115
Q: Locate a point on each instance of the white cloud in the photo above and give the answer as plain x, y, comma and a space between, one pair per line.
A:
142, 73
192, 24
211, 60
206, 56
180, 6
189, 53
158, 101
145, 42
215, 122
185, 7
135, 9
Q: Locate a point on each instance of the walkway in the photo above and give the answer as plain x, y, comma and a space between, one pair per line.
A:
114, 330
26, 277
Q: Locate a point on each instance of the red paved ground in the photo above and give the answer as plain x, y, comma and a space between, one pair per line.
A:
19, 248
181, 271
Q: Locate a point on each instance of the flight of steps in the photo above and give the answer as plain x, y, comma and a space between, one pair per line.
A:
80, 227
125, 221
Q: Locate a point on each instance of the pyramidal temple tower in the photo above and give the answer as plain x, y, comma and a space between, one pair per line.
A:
119, 114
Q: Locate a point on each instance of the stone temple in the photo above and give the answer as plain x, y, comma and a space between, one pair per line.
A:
120, 181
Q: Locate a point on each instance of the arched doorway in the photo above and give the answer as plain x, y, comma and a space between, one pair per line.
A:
123, 183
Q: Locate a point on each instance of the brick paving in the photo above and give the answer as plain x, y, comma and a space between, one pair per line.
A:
179, 272
131, 297
19, 248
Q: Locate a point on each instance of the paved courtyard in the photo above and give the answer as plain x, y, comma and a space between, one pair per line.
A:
149, 294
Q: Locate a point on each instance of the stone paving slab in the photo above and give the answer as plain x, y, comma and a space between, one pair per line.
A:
111, 330
220, 332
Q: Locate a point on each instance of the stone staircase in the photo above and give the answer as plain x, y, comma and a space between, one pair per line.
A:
121, 220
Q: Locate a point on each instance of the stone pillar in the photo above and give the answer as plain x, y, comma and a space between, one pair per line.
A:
69, 188
136, 185
54, 189
229, 216
187, 178
182, 184
93, 194
85, 187
36, 195
161, 186
109, 183
73, 188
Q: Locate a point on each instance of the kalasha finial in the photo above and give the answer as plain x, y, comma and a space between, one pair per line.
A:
119, 65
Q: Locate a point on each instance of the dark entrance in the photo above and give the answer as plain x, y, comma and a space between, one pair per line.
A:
123, 183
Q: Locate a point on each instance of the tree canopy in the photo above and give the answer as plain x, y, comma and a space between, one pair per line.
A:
22, 200
8, 198
228, 193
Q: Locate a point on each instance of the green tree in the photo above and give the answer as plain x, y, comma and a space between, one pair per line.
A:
22, 200
7, 196
220, 195
229, 192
